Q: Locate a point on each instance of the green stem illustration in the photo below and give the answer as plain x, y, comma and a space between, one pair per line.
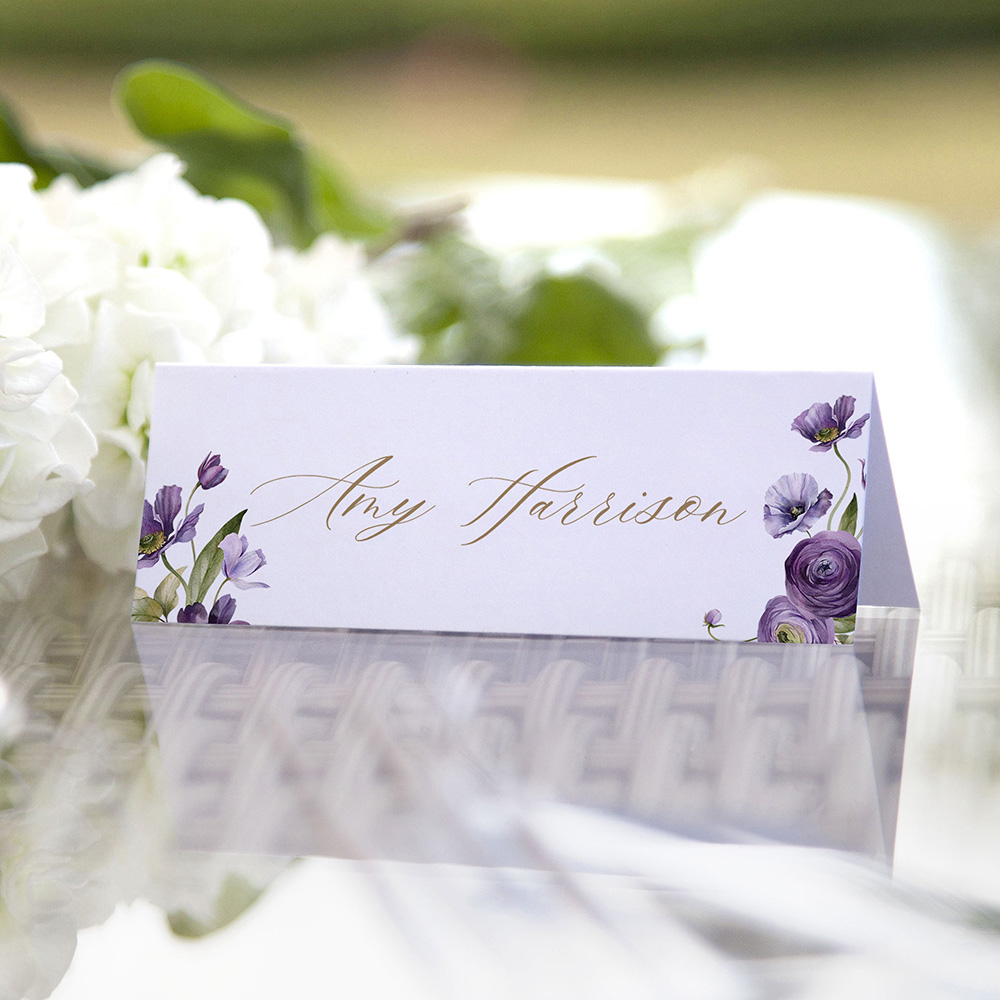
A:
194, 555
179, 577
836, 506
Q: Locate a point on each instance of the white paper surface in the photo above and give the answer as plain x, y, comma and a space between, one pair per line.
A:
459, 463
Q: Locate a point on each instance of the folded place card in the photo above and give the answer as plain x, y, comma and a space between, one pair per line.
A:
649, 503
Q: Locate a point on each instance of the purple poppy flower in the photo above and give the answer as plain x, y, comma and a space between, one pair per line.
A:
221, 613
783, 622
238, 563
826, 425
713, 617
822, 574
794, 503
211, 472
157, 533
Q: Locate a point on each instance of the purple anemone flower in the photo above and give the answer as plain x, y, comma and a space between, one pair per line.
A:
211, 471
822, 574
221, 613
157, 533
238, 563
794, 503
713, 617
825, 425
782, 621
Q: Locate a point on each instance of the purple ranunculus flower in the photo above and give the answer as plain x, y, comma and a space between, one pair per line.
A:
782, 621
713, 617
822, 574
157, 533
825, 425
238, 563
211, 472
794, 503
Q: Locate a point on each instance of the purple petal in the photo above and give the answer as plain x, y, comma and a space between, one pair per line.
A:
193, 614
233, 546
843, 409
211, 471
247, 584
222, 610
856, 427
149, 522
187, 529
818, 509
167, 506
146, 561
816, 418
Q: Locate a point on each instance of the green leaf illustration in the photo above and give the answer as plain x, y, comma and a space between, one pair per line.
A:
849, 519
145, 608
844, 625
235, 150
209, 562
166, 593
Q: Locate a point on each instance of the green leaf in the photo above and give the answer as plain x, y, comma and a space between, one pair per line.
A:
236, 897
146, 608
844, 625
849, 519
577, 320
47, 162
209, 562
166, 592
235, 150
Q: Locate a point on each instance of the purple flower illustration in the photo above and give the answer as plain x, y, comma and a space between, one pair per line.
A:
825, 425
238, 563
221, 613
211, 472
794, 503
782, 621
157, 533
713, 617
822, 574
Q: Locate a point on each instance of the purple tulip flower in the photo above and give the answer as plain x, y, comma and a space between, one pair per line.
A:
825, 425
238, 563
211, 472
822, 574
221, 613
794, 503
157, 533
783, 622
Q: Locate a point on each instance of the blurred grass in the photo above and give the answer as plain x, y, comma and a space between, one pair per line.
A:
918, 127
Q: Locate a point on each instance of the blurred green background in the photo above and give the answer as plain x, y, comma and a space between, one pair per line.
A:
897, 99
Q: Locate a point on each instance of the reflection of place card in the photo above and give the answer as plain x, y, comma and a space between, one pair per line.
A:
614, 501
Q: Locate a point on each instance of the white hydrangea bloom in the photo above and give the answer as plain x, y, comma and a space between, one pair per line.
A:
142, 268
45, 448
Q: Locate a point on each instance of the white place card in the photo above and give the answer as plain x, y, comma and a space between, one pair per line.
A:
645, 502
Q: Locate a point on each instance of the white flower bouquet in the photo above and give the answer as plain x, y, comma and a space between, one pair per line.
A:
242, 245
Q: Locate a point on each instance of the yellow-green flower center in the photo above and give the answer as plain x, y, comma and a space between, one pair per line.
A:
786, 632
797, 511
152, 542
827, 434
